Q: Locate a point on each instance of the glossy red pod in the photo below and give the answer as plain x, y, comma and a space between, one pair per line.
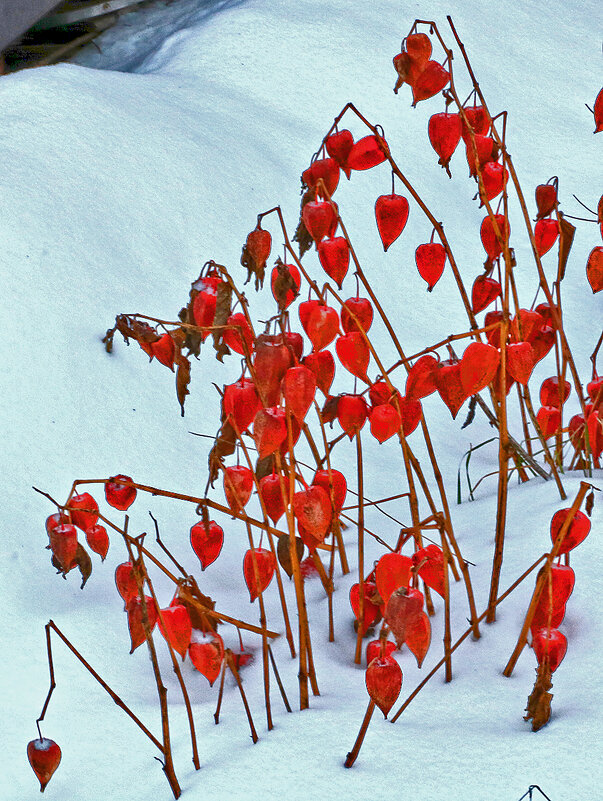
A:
84, 510
385, 422
271, 491
271, 361
120, 496
206, 652
546, 233
176, 627
371, 611
444, 131
322, 364
420, 381
432, 80
312, 509
577, 532
238, 486
552, 393
490, 242
520, 361
393, 570
450, 385
334, 257
320, 218
418, 637
402, 610
373, 649
63, 543
44, 756
326, 170
384, 681
206, 542
125, 581
98, 540
366, 153
326, 478
477, 119
594, 269
549, 645
240, 402
546, 199
429, 563
240, 336
136, 627
549, 420
299, 389
362, 310
391, 213
430, 259
352, 411
484, 292
339, 146
269, 430
164, 350
265, 563
353, 353
478, 366
322, 326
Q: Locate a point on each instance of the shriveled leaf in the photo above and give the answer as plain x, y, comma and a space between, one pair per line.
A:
590, 502
84, 563
566, 239
284, 284
223, 304
539, 702
284, 554
301, 235
265, 466
183, 377
471, 412
223, 446
255, 253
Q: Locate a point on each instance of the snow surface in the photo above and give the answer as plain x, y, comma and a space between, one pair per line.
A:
123, 172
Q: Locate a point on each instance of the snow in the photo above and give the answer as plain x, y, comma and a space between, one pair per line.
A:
123, 172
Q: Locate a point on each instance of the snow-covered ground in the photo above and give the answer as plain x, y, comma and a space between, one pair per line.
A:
122, 173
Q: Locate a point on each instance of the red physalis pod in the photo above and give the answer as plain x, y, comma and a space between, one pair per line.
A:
373, 649
84, 510
44, 756
322, 326
354, 354
334, 256
339, 146
352, 411
265, 563
269, 430
491, 244
326, 170
525, 325
546, 199
444, 131
362, 310
477, 118
478, 367
326, 478
320, 218
98, 540
238, 486
430, 259
549, 420
240, 333
384, 682
550, 609
322, 364
366, 153
63, 543
450, 385
385, 422
552, 393
484, 145
411, 412
520, 361
313, 511
391, 213
125, 581
299, 389
431, 80
120, 496
402, 610
420, 381
136, 617
241, 403
545, 235
206, 542
494, 179
176, 627
594, 269
259, 245
391, 572
371, 611
271, 491
484, 292
418, 46
206, 652
578, 529
549, 645
418, 637
272, 360
204, 302
429, 562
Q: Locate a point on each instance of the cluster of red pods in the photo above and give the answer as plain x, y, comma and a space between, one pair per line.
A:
390, 595
548, 642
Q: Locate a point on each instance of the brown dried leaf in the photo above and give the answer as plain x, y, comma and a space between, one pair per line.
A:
108, 339
84, 563
223, 446
283, 285
265, 466
284, 554
566, 239
131, 328
183, 377
590, 502
223, 304
301, 235
539, 703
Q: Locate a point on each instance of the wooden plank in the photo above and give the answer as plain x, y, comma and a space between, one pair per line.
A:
16, 16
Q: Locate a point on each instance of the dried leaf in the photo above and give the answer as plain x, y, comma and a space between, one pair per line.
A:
108, 339
183, 377
284, 284
471, 412
84, 563
301, 235
255, 253
566, 238
539, 703
265, 466
590, 502
284, 554
131, 328
223, 446
223, 303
